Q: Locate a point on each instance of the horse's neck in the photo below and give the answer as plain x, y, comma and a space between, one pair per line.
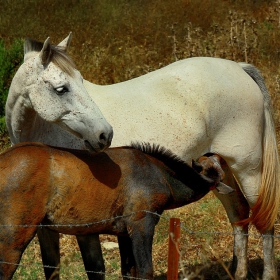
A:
52, 134
19, 117
28, 126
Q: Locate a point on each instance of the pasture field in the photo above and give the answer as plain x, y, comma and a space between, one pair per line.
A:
117, 40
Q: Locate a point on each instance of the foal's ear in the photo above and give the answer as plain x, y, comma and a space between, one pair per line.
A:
196, 166
64, 45
46, 51
224, 189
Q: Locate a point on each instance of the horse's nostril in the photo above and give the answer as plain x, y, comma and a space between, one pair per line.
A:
102, 138
105, 139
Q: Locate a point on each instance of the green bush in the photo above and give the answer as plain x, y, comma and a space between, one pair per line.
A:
10, 59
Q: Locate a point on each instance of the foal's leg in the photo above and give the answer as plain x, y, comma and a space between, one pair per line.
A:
92, 256
13, 242
49, 244
128, 266
90, 250
9, 260
142, 233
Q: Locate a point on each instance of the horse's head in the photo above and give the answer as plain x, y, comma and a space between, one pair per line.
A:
210, 167
52, 87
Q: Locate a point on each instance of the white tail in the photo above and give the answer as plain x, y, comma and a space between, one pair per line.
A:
264, 212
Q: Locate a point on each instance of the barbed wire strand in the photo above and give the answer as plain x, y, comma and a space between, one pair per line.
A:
165, 217
131, 214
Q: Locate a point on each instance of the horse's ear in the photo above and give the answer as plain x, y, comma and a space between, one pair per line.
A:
64, 45
31, 48
45, 53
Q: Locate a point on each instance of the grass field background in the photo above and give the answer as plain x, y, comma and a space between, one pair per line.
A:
116, 40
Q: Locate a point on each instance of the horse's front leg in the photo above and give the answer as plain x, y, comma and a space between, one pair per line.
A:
49, 244
270, 270
92, 256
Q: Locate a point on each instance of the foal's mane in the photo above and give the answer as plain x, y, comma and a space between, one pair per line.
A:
172, 161
183, 171
57, 55
159, 152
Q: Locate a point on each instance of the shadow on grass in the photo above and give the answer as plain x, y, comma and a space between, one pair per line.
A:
216, 271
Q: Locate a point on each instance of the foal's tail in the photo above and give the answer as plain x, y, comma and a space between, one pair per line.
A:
264, 212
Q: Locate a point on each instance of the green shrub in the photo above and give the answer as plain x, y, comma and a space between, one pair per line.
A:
10, 59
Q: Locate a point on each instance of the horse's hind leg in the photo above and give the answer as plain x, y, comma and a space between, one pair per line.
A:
49, 244
128, 266
249, 177
9, 261
240, 254
13, 242
270, 271
92, 256
237, 209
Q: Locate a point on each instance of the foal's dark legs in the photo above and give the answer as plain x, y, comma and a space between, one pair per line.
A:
49, 244
92, 256
142, 241
128, 266
90, 250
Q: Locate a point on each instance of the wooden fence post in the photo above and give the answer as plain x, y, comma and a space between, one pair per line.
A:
173, 249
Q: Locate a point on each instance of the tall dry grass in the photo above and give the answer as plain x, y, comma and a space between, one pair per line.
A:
116, 40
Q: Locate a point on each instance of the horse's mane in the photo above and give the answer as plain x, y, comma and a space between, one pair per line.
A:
58, 56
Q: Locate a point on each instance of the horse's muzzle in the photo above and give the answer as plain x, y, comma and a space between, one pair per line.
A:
103, 143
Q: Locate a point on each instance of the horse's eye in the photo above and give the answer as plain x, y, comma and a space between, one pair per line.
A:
61, 90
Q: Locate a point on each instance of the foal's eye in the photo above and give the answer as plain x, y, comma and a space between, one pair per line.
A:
61, 90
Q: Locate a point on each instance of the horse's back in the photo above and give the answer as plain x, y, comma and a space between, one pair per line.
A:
211, 102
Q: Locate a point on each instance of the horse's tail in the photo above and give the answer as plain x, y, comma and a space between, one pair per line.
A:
264, 212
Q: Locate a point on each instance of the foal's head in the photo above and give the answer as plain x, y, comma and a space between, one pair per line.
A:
210, 166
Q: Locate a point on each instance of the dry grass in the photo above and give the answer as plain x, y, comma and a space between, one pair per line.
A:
116, 40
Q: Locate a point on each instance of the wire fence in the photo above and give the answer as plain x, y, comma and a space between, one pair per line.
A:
185, 231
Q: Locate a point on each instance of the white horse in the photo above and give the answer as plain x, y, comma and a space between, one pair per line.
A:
208, 105
193, 107
47, 97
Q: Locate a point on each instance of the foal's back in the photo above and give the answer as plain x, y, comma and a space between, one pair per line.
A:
70, 186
